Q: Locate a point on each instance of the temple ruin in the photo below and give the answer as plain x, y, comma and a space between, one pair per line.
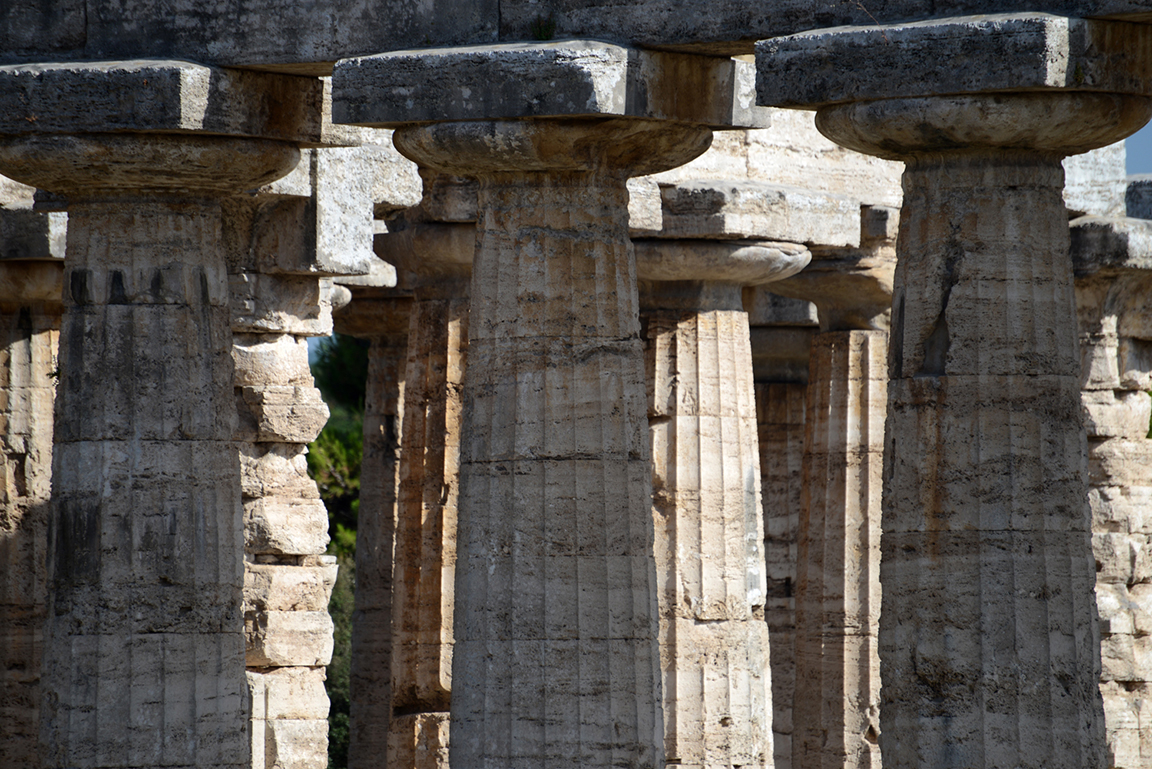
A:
749, 385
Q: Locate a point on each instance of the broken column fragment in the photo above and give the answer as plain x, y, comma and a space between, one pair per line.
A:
988, 639
1112, 260
144, 646
555, 659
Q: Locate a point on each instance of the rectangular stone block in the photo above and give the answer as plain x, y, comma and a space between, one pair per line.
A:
288, 693
167, 96
279, 414
289, 526
274, 587
749, 209
419, 740
284, 743
1117, 414
1120, 462
567, 78
287, 638
1032, 51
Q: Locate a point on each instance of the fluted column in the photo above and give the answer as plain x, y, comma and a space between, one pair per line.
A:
437, 258
988, 634
836, 699
384, 321
144, 646
837, 695
555, 660
30, 308
714, 649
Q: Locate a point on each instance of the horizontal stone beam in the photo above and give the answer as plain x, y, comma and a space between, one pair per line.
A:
158, 97
572, 78
973, 54
751, 209
1111, 245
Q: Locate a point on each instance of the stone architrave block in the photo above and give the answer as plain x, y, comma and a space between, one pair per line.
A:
1095, 182
645, 218
568, 78
1101, 244
1032, 51
287, 526
749, 209
288, 638
277, 587
28, 234
166, 97
280, 414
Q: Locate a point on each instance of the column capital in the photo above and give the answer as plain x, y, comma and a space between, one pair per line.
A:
85, 165
1030, 81
430, 251
485, 147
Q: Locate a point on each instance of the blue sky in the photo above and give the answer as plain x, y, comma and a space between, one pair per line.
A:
1139, 148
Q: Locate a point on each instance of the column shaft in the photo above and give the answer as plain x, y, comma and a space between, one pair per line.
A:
780, 408
555, 611
708, 534
425, 553
988, 638
29, 332
370, 683
145, 644
837, 691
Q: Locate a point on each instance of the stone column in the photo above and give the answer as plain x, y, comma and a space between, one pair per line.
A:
437, 259
30, 308
708, 520
1110, 259
555, 644
556, 658
988, 635
836, 701
382, 316
144, 643
781, 332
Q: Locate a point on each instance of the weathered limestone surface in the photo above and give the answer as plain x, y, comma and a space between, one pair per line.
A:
30, 308
144, 644
382, 317
836, 706
556, 657
145, 407
706, 506
1111, 259
988, 639
437, 260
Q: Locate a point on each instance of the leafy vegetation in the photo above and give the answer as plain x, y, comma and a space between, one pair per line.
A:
340, 369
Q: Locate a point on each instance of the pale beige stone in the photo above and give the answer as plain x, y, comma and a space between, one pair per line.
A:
280, 414
714, 642
556, 659
293, 693
275, 587
419, 740
288, 638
